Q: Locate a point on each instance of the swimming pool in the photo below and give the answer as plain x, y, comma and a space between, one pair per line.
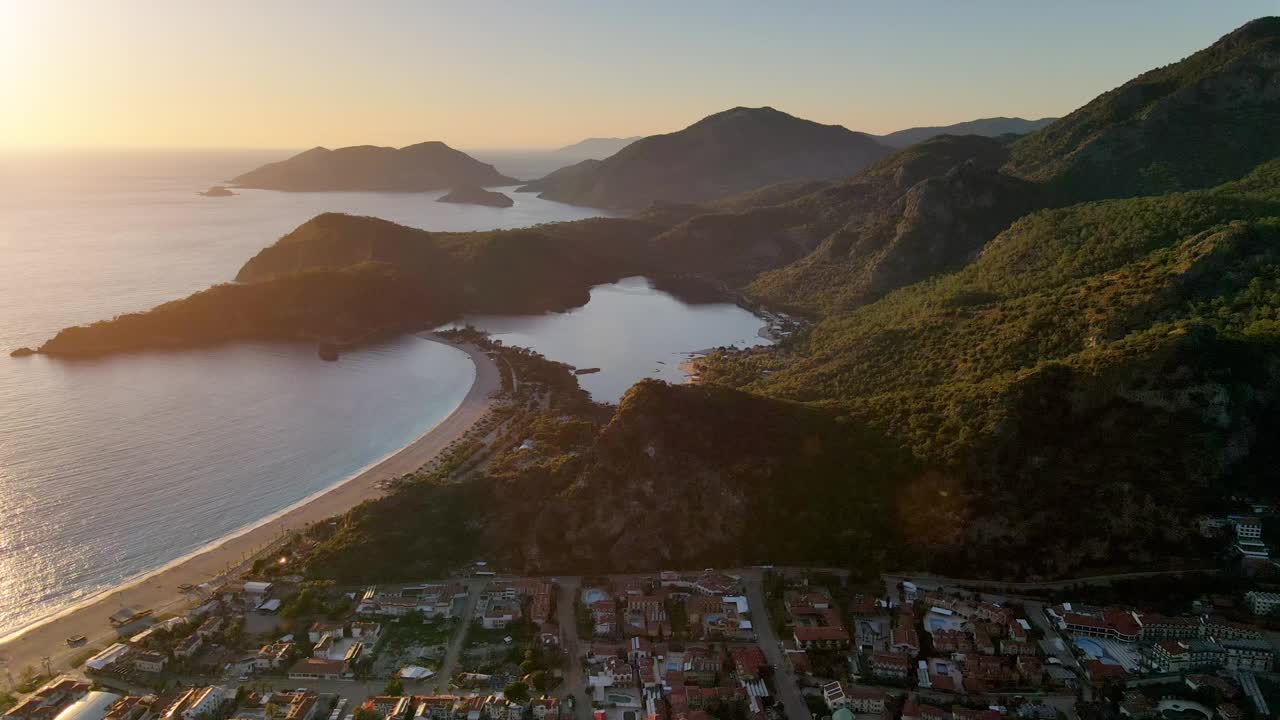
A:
1183, 710
934, 622
1092, 647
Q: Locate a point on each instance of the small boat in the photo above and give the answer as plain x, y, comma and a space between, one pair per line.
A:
586, 371
328, 352
186, 587
76, 640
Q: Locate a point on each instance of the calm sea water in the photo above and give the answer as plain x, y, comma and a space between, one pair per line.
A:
629, 330
111, 468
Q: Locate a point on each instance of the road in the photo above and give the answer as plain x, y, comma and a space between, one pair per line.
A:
440, 682
926, 581
574, 684
784, 680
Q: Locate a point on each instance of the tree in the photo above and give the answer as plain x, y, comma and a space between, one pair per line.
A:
517, 692
393, 687
367, 714
538, 680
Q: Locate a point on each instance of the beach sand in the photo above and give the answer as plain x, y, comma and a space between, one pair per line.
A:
159, 591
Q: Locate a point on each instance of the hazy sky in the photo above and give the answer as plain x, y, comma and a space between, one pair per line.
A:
530, 73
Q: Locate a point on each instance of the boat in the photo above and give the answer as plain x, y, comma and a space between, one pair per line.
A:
586, 371
186, 587
328, 352
76, 640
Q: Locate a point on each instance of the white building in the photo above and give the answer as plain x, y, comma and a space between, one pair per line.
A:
257, 589
1262, 603
196, 704
835, 696
1248, 528
107, 657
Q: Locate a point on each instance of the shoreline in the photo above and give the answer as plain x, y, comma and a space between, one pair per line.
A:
224, 557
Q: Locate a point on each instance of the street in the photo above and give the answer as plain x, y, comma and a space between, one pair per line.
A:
439, 683
784, 680
574, 685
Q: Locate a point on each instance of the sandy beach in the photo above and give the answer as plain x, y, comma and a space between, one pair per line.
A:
159, 590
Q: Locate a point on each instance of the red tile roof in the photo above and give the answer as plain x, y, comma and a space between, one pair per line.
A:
820, 634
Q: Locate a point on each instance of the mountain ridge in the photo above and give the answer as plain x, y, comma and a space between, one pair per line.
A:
986, 127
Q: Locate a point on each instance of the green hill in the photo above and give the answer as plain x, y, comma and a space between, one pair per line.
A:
1191, 124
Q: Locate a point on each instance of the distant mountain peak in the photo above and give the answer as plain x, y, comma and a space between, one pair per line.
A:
986, 127
596, 144
729, 152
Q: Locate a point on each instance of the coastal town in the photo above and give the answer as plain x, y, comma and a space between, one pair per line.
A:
758, 643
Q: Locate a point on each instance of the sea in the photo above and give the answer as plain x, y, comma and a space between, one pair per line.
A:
113, 468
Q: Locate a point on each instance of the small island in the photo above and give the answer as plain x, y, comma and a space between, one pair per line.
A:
476, 195
217, 191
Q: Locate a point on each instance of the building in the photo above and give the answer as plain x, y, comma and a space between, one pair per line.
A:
1169, 656
905, 640
891, 665
210, 628
274, 656
545, 708
866, 700
1159, 627
1248, 528
835, 696
257, 590
189, 646
131, 707
195, 704
91, 706
1107, 623
318, 669
821, 638
107, 657
152, 662
49, 700
1099, 672
431, 600
748, 661
541, 606
1252, 655
912, 710
1220, 629
498, 613
1262, 603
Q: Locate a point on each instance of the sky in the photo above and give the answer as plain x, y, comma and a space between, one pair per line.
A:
545, 73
